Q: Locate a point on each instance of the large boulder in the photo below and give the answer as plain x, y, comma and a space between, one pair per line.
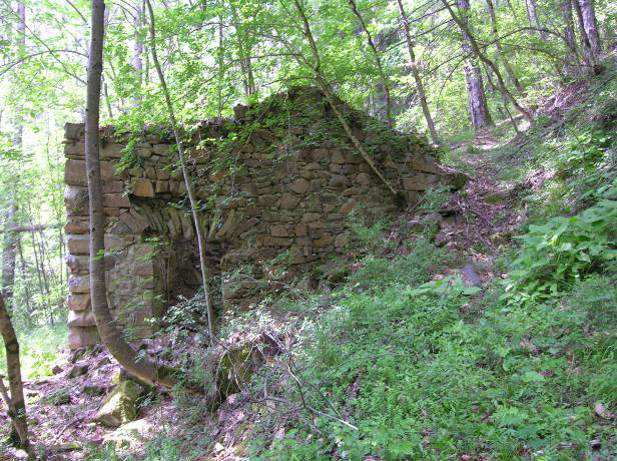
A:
120, 406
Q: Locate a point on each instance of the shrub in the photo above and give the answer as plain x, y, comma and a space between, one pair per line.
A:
561, 251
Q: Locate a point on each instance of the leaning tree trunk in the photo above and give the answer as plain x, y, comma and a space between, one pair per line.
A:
138, 50
141, 367
504, 59
416, 74
15, 402
532, 13
323, 84
589, 57
385, 82
201, 241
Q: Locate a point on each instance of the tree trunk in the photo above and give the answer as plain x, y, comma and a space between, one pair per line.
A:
138, 50
478, 107
416, 74
590, 26
140, 367
201, 241
532, 12
8, 254
588, 54
382, 74
506, 64
243, 54
16, 402
569, 37
468, 37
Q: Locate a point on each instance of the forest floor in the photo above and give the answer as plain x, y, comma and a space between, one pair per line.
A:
300, 395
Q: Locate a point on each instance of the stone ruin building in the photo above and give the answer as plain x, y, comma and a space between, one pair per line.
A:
277, 183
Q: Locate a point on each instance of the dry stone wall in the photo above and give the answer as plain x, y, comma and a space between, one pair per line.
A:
277, 184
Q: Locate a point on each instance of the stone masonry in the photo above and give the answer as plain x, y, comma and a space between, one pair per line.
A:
277, 185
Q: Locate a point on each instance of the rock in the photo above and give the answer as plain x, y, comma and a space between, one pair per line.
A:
57, 369
143, 188
132, 435
288, 202
470, 277
81, 319
79, 369
338, 182
120, 406
57, 398
78, 302
93, 390
300, 186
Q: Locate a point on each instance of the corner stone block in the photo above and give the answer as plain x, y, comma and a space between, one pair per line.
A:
79, 284
78, 302
77, 225
75, 172
83, 337
78, 244
74, 131
81, 319
78, 265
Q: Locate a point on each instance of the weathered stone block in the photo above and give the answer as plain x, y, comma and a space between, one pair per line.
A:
288, 201
75, 172
113, 187
78, 265
74, 131
78, 302
83, 337
112, 151
279, 231
78, 244
420, 181
300, 186
77, 225
79, 284
81, 319
76, 200
116, 201
142, 188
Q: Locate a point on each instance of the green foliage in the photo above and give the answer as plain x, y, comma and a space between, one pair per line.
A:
38, 350
562, 250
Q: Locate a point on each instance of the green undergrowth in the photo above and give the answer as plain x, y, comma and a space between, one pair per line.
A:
405, 367
436, 370
39, 349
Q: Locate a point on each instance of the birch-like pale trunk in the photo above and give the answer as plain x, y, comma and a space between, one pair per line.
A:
201, 241
111, 336
416, 74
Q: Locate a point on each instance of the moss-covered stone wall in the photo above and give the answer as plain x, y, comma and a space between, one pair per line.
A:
276, 185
